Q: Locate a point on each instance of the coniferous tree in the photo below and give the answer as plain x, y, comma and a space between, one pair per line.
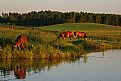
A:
48, 17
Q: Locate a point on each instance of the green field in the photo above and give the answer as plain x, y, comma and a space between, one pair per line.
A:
85, 27
43, 41
80, 26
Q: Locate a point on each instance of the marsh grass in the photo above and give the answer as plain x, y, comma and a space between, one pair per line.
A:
41, 44
44, 44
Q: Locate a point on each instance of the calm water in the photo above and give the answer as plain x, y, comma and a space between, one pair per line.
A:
97, 66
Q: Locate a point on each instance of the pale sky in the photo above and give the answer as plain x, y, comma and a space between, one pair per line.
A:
92, 6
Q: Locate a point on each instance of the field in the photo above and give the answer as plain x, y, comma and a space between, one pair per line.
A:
44, 44
80, 26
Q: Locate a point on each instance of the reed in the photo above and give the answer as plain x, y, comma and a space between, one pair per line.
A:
44, 44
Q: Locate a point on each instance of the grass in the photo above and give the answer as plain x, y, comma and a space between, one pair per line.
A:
104, 34
44, 44
73, 26
87, 27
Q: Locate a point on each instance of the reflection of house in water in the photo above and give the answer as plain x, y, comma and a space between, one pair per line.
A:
20, 72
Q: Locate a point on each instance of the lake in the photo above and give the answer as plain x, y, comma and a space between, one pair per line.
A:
95, 66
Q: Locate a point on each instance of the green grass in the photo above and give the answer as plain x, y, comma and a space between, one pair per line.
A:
87, 27
74, 26
43, 41
77, 26
101, 33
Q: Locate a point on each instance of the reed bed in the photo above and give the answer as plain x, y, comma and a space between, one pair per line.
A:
44, 44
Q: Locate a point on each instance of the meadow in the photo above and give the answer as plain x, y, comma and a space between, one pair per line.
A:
44, 44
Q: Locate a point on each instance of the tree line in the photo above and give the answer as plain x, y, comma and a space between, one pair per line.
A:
47, 17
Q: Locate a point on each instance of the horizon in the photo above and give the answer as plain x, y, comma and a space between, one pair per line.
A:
58, 11
93, 6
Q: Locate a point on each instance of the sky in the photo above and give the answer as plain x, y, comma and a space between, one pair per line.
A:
91, 6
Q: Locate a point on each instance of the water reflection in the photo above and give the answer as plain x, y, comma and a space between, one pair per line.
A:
19, 69
20, 72
107, 64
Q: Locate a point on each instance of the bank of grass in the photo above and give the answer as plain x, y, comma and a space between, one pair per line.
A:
44, 44
98, 34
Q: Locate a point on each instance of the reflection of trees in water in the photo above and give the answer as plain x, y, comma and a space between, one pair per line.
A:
33, 65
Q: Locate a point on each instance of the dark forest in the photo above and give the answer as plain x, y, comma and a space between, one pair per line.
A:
47, 17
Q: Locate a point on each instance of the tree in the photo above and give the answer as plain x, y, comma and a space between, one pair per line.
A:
115, 20
48, 17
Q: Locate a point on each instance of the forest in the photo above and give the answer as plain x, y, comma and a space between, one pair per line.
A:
48, 17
